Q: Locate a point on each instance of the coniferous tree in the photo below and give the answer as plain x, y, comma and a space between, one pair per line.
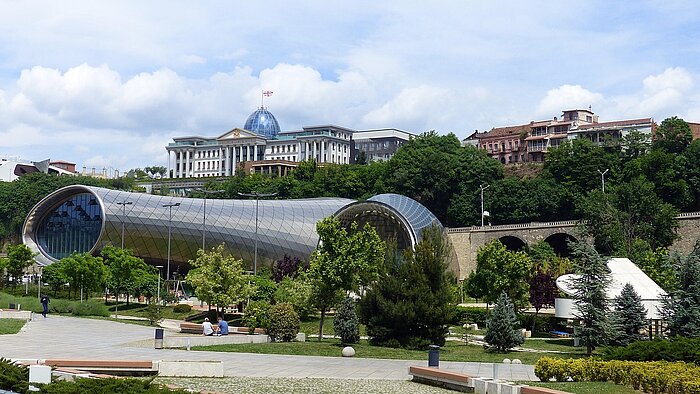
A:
410, 304
345, 323
681, 308
629, 317
502, 329
589, 285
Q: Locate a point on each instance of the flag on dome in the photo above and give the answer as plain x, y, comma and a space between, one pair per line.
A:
267, 93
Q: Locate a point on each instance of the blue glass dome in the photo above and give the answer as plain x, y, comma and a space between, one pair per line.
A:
262, 122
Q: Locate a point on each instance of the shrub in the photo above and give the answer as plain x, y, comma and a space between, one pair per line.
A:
264, 289
89, 308
283, 323
297, 292
154, 313
13, 377
256, 315
467, 314
543, 323
110, 385
677, 349
346, 324
288, 267
655, 377
182, 308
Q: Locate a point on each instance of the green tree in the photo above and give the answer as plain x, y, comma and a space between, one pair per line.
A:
589, 285
346, 323
298, 292
635, 144
345, 260
84, 272
681, 308
630, 211
502, 328
19, 258
655, 263
673, 135
500, 270
127, 273
628, 317
219, 279
54, 275
410, 305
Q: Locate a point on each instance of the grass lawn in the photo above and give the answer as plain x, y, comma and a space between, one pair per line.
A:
452, 351
11, 326
140, 310
587, 387
310, 326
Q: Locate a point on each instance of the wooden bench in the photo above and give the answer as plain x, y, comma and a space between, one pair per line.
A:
441, 378
103, 365
196, 328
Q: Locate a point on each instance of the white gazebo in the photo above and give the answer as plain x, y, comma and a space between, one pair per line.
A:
622, 271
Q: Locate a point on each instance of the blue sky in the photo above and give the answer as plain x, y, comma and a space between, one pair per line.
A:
108, 84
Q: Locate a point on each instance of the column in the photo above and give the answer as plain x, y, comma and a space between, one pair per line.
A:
179, 161
322, 159
233, 166
298, 151
168, 173
315, 158
255, 152
227, 161
248, 151
187, 165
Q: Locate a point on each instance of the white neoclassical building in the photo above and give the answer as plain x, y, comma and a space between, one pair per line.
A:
260, 146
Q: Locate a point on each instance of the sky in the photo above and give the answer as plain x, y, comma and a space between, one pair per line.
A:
108, 84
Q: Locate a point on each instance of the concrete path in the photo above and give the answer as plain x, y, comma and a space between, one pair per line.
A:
69, 337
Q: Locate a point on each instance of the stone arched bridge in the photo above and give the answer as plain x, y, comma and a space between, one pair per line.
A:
467, 240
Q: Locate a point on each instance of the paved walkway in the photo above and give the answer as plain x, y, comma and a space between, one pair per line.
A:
69, 337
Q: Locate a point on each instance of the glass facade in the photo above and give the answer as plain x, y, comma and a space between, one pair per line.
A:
73, 226
262, 122
283, 226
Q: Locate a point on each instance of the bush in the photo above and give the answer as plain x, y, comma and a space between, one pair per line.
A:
13, 377
110, 385
264, 289
654, 377
89, 308
256, 315
345, 323
466, 315
154, 313
543, 323
283, 323
297, 292
677, 349
182, 308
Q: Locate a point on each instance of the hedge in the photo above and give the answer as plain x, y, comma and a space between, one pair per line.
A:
677, 349
652, 377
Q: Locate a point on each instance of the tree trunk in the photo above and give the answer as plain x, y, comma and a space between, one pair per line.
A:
127, 299
320, 325
534, 321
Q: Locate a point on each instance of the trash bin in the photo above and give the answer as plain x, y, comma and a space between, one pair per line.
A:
434, 356
159, 338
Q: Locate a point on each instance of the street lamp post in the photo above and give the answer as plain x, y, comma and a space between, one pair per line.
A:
123, 204
158, 291
602, 177
170, 220
204, 218
482, 187
257, 199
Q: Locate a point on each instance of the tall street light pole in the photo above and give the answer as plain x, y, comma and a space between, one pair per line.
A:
170, 220
204, 218
257, 199
602, 178
482, 187
123, 204
159, 274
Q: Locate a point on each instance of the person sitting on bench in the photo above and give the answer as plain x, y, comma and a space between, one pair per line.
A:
222, 328
207, 328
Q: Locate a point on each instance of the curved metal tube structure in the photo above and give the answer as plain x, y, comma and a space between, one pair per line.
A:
86, 219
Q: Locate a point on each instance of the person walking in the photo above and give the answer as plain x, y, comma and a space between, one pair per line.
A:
45, 303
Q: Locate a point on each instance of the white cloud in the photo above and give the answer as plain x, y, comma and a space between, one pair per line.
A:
567, 97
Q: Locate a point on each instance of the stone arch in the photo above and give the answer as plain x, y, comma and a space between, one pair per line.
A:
512, 242
559, 242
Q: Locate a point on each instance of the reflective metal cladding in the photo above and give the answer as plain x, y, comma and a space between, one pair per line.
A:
86, 219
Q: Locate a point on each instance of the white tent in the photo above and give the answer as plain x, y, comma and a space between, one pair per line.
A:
622, 271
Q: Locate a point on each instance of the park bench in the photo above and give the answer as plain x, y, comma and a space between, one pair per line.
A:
441, 378
196, 328
111, 366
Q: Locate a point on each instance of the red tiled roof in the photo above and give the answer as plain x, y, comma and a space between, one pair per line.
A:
616, 123
506, 131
